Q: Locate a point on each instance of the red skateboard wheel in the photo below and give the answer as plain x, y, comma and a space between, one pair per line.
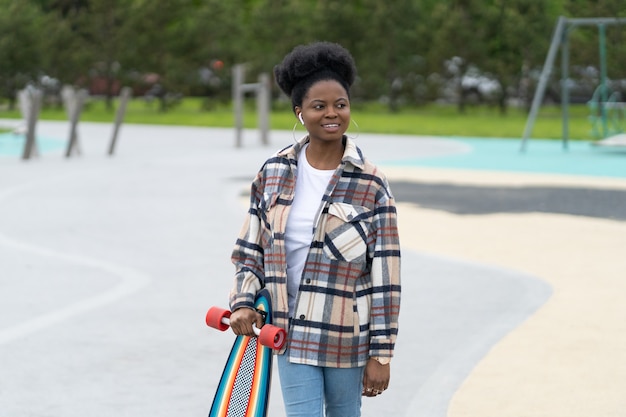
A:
272, 336
215, 318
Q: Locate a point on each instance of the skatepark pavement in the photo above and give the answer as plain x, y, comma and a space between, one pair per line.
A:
110, 263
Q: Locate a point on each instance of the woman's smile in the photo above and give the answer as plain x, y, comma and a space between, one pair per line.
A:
331, 127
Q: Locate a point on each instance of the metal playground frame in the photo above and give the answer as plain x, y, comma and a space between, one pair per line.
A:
560, 38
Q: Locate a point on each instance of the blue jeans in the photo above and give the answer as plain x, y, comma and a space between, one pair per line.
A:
308, 389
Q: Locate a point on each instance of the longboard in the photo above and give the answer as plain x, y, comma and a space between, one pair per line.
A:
244, 388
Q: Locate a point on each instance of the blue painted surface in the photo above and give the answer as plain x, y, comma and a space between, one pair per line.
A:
541, 156
13, 145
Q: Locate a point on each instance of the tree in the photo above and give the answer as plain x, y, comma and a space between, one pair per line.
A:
398, 45
104, 29
496, 36
219, 38
65, 55
389, 47
20, 53
459, 30
584, 40
165, 42
518, 34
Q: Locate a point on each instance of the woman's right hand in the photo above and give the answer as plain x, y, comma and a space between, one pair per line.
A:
241, 321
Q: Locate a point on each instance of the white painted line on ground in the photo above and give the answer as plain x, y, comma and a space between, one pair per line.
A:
131, 282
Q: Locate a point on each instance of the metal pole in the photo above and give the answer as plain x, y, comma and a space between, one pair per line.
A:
238, 77
75, 107
603, 86
588, 21
119, 117
34, 97
565, 87
543, 79
263, 107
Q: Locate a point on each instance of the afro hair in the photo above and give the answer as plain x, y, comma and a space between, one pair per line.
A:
307, 64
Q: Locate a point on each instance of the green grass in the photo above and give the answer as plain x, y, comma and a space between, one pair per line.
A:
372, 118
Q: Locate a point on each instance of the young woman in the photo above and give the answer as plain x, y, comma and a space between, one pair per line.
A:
321, 236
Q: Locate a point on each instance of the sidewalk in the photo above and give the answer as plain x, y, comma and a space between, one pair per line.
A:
568, 358
109, 265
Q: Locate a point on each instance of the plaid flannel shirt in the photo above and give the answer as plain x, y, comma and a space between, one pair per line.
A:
349, 296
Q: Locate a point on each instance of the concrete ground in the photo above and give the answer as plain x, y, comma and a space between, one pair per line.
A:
107, 267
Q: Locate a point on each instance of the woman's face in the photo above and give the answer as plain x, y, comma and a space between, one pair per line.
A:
326, 111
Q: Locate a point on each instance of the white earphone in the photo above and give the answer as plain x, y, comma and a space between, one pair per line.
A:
300, 117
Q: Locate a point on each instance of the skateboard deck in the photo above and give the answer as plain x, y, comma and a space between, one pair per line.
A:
244, 388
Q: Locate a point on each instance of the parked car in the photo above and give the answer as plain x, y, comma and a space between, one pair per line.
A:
473, 86
582, 83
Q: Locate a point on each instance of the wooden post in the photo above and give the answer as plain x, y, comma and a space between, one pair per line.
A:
238, 77
261, 90
33, 97
119, 117
74, 102
263, 107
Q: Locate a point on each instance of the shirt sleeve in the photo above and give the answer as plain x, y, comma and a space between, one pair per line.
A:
247, 255
385, 276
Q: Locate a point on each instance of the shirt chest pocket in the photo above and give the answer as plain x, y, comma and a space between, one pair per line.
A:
346, 232
272, 209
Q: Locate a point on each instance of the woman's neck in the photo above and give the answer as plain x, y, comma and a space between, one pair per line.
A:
324, 155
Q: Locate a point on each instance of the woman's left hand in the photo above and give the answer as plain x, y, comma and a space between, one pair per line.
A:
375, 378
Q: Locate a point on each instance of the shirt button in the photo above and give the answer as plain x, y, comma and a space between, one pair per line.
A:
308, 280
301, 316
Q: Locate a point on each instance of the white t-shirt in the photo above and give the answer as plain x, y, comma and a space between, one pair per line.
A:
311, 183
